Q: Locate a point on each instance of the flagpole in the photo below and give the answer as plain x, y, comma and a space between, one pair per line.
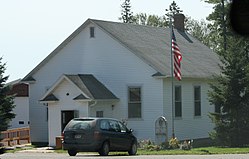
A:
172, 80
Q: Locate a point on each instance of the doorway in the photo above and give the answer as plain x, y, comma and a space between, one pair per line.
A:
66, 116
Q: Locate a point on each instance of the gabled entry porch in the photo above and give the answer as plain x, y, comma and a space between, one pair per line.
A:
75, 96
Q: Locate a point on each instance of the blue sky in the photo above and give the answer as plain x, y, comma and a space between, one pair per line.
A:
31, 29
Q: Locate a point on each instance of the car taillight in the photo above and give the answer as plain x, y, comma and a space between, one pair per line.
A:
62, 136
97, 135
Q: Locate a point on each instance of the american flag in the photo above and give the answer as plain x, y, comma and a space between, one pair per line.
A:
177, 58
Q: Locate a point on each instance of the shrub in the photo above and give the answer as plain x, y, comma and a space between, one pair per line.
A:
186, 145
149, 145
174, 143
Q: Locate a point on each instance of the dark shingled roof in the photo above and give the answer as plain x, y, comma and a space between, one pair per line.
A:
49, 98
80, 97
152, 45
94, 89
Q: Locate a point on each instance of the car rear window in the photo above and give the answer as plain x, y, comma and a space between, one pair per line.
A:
80, 124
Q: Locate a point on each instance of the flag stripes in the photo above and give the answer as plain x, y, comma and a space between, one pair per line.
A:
177, 58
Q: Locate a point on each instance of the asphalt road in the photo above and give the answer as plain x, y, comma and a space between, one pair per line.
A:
26, 155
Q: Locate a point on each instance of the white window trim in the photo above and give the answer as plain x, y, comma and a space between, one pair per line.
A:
90, 32
178, 117
141, 89
197, 85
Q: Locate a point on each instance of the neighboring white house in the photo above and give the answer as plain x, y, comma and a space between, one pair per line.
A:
123, 71
21, 101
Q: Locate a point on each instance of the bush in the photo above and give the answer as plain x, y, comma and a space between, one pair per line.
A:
149, 145
174, 143
186, 145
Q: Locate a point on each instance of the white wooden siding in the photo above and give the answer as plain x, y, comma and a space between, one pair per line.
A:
117, 68
22, 112
189, 126
112, 64
37, 114
65, 102
106, 107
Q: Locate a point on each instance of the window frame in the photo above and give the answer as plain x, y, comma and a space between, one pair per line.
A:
92, 31
178, 101
195, 101
100, 113
139, 116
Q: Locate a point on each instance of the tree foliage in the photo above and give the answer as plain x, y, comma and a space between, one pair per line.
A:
151, 20
230, 91
173, 9
219, 24
155, 20
6, 101
126, 14
199, 30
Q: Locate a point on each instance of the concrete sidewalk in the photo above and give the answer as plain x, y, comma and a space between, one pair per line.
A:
28, 148
37, 150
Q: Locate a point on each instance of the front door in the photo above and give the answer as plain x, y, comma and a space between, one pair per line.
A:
66, 116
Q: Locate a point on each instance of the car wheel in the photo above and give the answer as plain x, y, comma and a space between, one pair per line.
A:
1, 150
133, 149
72, 152
104, 150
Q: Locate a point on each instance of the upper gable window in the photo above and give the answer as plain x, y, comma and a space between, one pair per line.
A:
92, 32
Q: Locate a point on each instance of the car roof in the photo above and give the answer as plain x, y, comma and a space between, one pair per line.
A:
96, 118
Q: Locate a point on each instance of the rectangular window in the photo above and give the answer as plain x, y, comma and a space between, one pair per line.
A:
92, 32
21, 122
99, 114
197, 100
134, 102
178, 101
47, 112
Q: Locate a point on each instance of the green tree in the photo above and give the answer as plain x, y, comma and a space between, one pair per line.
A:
199, 30
230, 91
126, 14
230, 95
173, 9
6, 101
140, 19
151, 20
219, 24
155, 20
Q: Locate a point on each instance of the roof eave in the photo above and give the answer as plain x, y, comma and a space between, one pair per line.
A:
106, 100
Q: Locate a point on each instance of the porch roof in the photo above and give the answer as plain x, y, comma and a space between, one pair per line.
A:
92, 87
89, 86
50, 98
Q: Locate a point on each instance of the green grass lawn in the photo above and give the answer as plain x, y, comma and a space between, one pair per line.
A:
194, 151
197, 151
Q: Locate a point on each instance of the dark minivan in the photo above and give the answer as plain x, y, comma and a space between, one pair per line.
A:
98, 135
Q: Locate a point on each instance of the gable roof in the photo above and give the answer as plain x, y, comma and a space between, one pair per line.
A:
90, 87
152, 45
50, 98
18, 88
